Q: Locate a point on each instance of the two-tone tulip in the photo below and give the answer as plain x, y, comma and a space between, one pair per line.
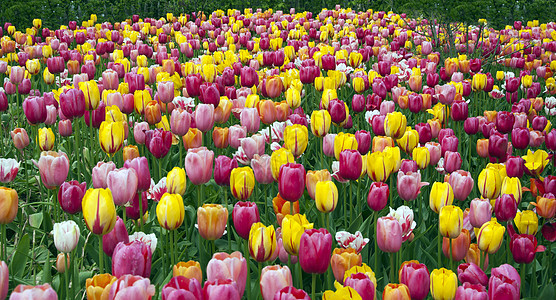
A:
262, 242
99, 211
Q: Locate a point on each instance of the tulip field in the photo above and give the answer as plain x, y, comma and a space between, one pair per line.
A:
277, 155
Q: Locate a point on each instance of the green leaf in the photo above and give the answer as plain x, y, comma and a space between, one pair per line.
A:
548, 292
21, 255
35, 220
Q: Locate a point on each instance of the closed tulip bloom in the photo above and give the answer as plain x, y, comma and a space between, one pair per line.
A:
293, 226
409, 185
262, 242
262, 169
504, 282
180, 121
396, 291
460, 246
53, 167
471, 273
320, 122
422, 157
416, 277
170, 211
233, 267
204, 117
480, 212
46, 139
100, 174
91, 94
114, 237
515, 166
140, 99
181, 287
198, 165
34, 109
190, 270
242, 182
273, 279
111, 136
523, 247
99, 211
44, 291
389, 234
296, 139
176, 181
377, 197
450, 221
141, 167
379, 166
526, 222
314, 250
291, 181
452, 161
278, 158
72, 103
221, 289
326, 196
443, 284
66, 236
158, 142
344, 141
20, 138
313, 177
409, 140
462, 184
395, 125
350, 164
545, 206
8, 205
490, 236
244, 215
70, 196
250, 119
489, 182
441, 195
132, 258
212, 219
471, 291
64, 128
119, 178
511, 186
236, 133
152, 112
267, 111
343, 260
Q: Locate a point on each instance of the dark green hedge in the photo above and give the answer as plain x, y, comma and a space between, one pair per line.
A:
56, 12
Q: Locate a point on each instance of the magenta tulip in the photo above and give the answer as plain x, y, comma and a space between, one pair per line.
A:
504, 121
34, 109
315, 250
72, 103
132, 209
523, 246
244, 215
471, 273
291, 293
362, 284
377, 197
515, 166
182, 288
291, 181
114, 237
416, 276
158, 142
141, 167
460, 111
223, 166
504, 283
424, 131
118, 178
70, 196
471, 291
132, 258
471, 125
364, 140
351, 164
221, 289
452, 161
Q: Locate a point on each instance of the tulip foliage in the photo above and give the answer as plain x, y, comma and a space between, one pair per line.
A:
264, 154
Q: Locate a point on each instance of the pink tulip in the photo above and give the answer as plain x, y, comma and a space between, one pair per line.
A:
435, 152
273, 279
166, 91
182, 288
378, 196
291, 293
471, 273
70, 196
4, 280
118, 178
100, 174
114, 237
198, 165
139, 132
480, 212
409, 185
132, 287
141, 167
235, 134
471, 291
204, 117
389, 234
221, 289
315, 250
462, 184
250, 119
53, 167
132, 258
253, 145
8, 169
180, 121
224, 266
40, 292
504, 282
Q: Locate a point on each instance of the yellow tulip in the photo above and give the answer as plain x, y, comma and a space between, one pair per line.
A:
176, 181
344, 141
527, 222
278, 158
511, 186
443, 284
422, 156
536, 161
208, 71
140, 99
33, 66
111, 136
441, 195
46, 51
296, 138
326, 196
48, 77
293, 98
395, 125
242, 182
342, 293
490, 236
9, 205
409, 140
92, 94
262, 242
319, 83
99, 211
479, 82
170, 211
293, 226
328, 95
359, 84
527, 81
320, 122
450, 221
379, 166
113, 114
46, 139
490, 182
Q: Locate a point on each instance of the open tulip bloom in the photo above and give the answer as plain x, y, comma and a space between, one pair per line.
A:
230, 153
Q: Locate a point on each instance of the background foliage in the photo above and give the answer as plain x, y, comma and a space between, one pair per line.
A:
56, 12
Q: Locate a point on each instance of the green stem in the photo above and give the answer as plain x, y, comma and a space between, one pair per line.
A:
260, 272
76, 149
248, 258
350, 203
159, 163
375, 216
300, 279
229, 234
345, 209
172, 253
3, 249
313, 285
439, 250
66, 275
522, 271
100, 256
392, 272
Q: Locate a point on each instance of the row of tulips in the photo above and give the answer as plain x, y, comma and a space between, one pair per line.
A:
140, 130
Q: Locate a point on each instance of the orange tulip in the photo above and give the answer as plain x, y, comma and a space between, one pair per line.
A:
343, 260
283, 208
190, 269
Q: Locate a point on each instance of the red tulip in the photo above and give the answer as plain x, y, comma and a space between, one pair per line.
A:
378, 196
223, 166
158, 142
315, 250
351, 164
523, 246
291, 181
70, 195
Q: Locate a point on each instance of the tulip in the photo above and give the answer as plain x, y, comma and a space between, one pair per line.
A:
480, 212
490, 182
152, 112
130, 286
44, 291
250, 119
204, 117
343, 260
8, 204
111, 136
462, 183
198, 165
490, 236
8, 169
53, 167
416, 277
212, 219
262, 168
70, 196
262, 242
291, 181
119, 178
180, 121
549, 231
170, 211
46, 139
291, 293
181, 287
515, 166
389, 234
141, 167
296, 139
66, 236
326, 196
378, 196
350, 164
459, 246
190, 270
395, 125
523, 246
471, 291
20, 138
158, 142
546, 206
535, 162
314, 250
224, 266
450, 221
379, 166
396, 291
114, 237
443, 284
242, 182
504, 282
176, 181
441, 195
434, 151
244, 215
328, 144
99, 211
526, 222
132, 258
422, 157
471, 273
409, 185
214, 290
320, 122
273, 279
